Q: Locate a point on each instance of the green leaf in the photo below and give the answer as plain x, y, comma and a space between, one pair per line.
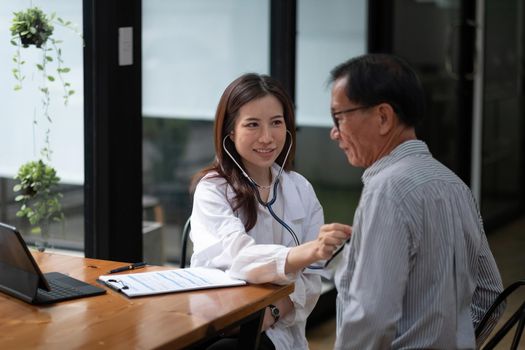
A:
14, 43
50, 78
71, 92
49, 58
17, 87
32, 30
65, 70
39, 66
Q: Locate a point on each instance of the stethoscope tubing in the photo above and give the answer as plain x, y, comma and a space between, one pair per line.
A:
268, 204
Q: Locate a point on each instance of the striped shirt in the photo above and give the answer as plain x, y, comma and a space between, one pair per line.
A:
418, 272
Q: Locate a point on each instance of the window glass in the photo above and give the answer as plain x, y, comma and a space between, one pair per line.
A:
502, 138
329, 32
192, 49
24, 125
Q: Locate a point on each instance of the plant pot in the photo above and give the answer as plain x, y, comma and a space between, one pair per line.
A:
26, 41
42, 237
33, 40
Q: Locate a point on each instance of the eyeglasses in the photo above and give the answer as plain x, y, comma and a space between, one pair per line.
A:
349, 110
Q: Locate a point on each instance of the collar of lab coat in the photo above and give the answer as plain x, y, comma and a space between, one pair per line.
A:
293, 204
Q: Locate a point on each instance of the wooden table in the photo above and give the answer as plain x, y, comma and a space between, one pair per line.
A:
112, 321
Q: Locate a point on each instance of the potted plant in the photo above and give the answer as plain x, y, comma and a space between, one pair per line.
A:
37, 181
33, 27
40, 202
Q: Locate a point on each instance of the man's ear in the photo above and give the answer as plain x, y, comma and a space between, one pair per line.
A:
387, 118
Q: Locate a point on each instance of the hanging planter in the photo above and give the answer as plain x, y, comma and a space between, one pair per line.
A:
32, 27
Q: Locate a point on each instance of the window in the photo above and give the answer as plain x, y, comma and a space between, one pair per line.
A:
192, 49
22, 139
328, 34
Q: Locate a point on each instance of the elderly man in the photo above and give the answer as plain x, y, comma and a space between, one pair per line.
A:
418, 272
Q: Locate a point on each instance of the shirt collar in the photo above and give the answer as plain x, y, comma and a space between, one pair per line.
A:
407, 148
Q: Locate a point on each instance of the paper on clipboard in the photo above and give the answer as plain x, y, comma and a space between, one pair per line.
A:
169, 281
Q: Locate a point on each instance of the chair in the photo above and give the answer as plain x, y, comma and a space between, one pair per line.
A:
517, 317
184, 242
153, 249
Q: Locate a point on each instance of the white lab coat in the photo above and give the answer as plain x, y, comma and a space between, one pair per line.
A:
220, 241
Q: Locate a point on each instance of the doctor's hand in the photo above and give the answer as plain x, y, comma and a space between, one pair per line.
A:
330, 237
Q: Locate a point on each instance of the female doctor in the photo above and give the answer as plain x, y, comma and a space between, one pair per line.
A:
254, 217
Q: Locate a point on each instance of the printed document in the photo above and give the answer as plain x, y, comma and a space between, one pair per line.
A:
169, 281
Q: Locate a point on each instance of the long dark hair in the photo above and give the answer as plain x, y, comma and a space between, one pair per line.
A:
246, 88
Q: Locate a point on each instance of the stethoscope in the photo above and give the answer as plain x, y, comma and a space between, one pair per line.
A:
268, 204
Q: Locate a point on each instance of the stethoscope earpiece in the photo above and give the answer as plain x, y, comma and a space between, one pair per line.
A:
256, 186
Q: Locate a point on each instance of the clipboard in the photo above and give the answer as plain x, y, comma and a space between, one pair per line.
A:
169, 281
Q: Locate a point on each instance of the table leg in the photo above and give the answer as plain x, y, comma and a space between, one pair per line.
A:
250, 331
